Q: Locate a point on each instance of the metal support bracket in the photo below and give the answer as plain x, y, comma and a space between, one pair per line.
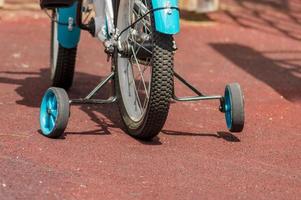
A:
200, 96
88, 99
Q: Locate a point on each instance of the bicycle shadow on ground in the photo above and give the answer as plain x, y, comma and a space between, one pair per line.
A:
282, 74
219, 135
32, 86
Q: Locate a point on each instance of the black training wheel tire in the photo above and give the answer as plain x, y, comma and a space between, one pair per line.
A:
234, 107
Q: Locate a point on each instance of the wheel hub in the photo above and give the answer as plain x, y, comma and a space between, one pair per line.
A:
143, 51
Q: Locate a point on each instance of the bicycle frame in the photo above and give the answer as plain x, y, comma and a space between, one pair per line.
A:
167, 20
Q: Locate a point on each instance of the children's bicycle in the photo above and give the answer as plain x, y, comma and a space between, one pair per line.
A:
138, 39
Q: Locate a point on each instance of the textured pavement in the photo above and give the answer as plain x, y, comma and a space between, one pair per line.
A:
194, 157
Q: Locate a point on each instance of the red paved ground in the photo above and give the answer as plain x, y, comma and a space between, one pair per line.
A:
194, 157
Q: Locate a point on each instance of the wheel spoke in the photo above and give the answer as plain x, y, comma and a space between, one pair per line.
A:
47, 121
52, 121
54, 102
145, 23
139, 75
137, 99
140, 71
139, 14
54, 113
49, 103
145, 100
145, 68
141, 46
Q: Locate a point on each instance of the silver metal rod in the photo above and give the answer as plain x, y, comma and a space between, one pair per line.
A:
99, 86
180, 78
93, 101
197, 98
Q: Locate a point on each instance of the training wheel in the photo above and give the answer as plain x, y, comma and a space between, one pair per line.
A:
54, 112
234, 107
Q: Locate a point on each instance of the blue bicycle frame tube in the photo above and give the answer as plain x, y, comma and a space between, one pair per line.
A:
68, 36
166, 20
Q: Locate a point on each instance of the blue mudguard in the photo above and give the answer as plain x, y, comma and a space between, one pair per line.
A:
167, 20
68, 37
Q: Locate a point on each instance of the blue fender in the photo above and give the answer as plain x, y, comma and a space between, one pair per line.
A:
67, 37
166, 20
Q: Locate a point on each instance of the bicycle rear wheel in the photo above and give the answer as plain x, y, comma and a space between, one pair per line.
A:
144, 72
62, 60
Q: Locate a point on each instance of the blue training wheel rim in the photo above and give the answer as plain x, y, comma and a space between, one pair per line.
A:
228, 108
48, 112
